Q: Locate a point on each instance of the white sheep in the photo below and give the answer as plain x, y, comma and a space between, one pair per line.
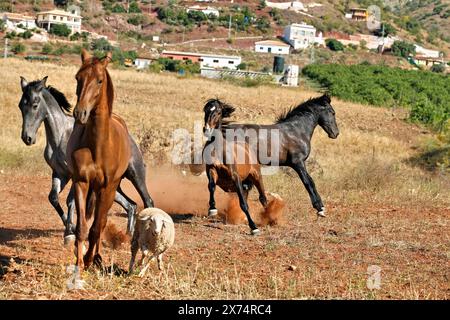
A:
154, 234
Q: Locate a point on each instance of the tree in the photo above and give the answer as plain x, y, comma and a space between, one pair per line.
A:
403, 49
60, 30
263, 24
118, 9
334, 45
262, 4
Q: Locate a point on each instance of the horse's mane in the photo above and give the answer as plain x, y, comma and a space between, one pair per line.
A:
58, 95
301, 108
60, 98
227, 109
110, 92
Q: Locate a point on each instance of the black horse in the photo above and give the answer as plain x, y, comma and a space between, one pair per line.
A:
294, 130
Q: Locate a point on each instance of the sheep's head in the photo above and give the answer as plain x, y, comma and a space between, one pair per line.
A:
156, 224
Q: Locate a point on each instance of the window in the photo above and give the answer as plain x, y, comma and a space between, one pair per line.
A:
261, 48
54, 17
230, 62
185, 58
280, 49
216, 61
200, 60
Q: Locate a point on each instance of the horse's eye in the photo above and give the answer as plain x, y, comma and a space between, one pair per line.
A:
35, 106
100, 81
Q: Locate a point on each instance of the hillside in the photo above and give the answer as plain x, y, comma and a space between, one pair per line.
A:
423, 21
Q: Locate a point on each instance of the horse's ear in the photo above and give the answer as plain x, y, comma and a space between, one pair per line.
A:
23, 83
327, 97
107, 59
44, 81
85, 55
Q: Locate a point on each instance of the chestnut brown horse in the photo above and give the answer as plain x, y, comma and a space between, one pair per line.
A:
232, 165
98, 152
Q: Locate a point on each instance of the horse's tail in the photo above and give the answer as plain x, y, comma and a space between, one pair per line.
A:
90, 205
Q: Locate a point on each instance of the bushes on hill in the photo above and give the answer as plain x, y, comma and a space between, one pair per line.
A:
334, 45
426, 94
60, 30
403, 49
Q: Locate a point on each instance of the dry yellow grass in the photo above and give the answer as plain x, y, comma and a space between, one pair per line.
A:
376, 201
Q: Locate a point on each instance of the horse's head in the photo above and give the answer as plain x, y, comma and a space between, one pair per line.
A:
32, 106
215, 110
327, 116
91, 81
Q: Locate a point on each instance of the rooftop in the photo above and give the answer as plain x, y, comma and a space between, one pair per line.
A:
198, 54
60, 13
17, 16
272, 43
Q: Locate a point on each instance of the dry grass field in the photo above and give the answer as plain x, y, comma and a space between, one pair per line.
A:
382, 210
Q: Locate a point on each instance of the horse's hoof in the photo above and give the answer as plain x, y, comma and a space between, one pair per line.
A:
69, 239
79, 284
321, 213
212, 212
255, 232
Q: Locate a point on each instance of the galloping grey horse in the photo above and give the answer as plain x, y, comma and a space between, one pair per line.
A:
40, 103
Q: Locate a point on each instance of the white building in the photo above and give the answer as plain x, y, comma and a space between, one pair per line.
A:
217, 61
427, 52
272, 46
300, 35
204, 59
14, 20
142, 63
206, 10
48, 18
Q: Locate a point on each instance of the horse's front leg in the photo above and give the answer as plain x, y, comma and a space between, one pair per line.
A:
104, 201
58, 184
243, 203
212, 180
81, 194
299, 167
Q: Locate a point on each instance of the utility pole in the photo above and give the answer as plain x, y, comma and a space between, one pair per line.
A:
229, 28
5, 54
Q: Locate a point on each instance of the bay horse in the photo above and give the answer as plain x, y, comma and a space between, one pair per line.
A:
45, 104
229, 171
98, 152
294, 130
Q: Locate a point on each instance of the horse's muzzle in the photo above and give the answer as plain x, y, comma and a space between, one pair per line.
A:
28, 140
333, 135
81, 116
208, 132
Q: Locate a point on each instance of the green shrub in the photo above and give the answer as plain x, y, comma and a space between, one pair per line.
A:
425, 94
137, 19
118, 9
60, 30
26, 34
334, 45
101, 44
438, 68
18, 48
403, 49
134, 8
47, 48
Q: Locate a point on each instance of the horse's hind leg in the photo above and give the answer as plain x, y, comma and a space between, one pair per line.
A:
58, 184
129, 206
243, 204
136, 174
69, 233
299, 167
258, 182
